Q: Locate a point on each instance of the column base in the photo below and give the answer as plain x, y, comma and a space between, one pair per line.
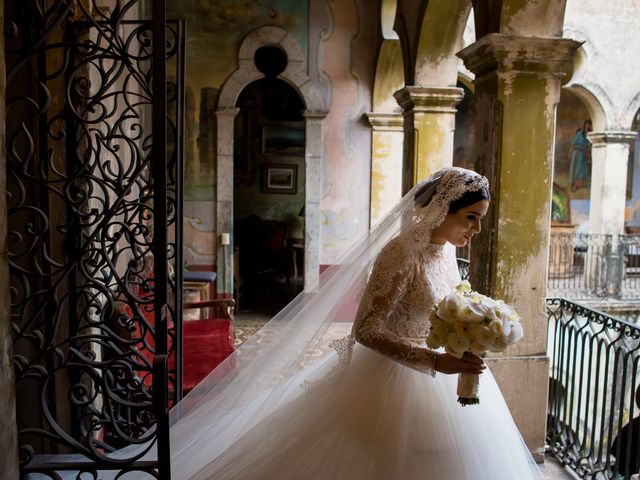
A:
524, 382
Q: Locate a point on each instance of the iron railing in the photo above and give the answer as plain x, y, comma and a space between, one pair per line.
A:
93, 187
592, 385
591, 266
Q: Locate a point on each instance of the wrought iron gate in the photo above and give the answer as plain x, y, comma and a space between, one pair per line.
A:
94, 141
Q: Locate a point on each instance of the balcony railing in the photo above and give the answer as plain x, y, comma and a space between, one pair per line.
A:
591, 266
593, 380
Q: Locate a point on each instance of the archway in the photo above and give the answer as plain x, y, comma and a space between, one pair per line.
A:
268, 193
294, 75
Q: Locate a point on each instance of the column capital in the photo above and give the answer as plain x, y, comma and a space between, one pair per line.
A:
611, 136
386, 121
504, 54
429, 99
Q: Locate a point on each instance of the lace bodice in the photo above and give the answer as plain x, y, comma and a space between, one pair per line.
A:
407, 279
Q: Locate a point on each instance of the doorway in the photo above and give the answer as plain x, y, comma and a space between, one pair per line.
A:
268, 189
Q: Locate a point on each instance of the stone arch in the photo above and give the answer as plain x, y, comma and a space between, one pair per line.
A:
296, 76
466, 79
630, 111
593, 104
441, 36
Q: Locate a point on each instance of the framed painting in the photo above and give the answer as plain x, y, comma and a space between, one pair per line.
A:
279, 178
282, 141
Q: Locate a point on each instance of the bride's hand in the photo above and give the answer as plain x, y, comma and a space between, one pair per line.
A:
469, 363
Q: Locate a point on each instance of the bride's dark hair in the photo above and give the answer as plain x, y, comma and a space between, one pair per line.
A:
469, 198
425, 194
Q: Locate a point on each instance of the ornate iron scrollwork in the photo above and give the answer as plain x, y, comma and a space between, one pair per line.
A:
592, 384
84, 228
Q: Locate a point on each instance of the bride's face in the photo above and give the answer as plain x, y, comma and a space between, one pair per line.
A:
459, 228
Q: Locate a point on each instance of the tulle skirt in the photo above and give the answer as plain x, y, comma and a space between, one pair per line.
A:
374, 419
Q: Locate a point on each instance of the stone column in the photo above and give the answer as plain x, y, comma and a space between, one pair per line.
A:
313, 185
610, 155
8, 428
517, 89
429, 122
386, 163
224, 200
605, 260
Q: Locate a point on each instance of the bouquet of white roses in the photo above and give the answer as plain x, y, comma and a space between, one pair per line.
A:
466, 321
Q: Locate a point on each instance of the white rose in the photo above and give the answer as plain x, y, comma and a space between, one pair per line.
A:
484, 336
434, 340
498, 328
491, 315
453, 302
461, 328
475, 347
447, 315
499, 345
457, 343
467, 314
440, 327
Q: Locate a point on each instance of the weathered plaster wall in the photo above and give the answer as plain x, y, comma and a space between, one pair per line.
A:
347, 58
609, 61
339, 40
215, 30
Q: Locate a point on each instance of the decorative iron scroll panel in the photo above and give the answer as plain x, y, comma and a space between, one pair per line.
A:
86, 235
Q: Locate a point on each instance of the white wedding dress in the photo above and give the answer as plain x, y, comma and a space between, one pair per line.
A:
283, 407
380, 414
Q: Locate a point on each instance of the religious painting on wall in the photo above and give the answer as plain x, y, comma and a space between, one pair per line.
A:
572, 163
632, 211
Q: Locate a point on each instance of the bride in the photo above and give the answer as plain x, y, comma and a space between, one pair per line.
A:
380, 405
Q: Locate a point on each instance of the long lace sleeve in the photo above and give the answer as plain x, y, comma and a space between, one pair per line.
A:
388, 284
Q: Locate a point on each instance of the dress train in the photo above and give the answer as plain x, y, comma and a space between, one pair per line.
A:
375, 419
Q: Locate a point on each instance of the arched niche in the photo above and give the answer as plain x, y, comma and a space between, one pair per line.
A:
296, 76
441, 36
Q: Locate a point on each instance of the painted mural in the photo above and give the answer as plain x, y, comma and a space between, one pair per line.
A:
632, 213
348, 53
215, 29
572, 167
